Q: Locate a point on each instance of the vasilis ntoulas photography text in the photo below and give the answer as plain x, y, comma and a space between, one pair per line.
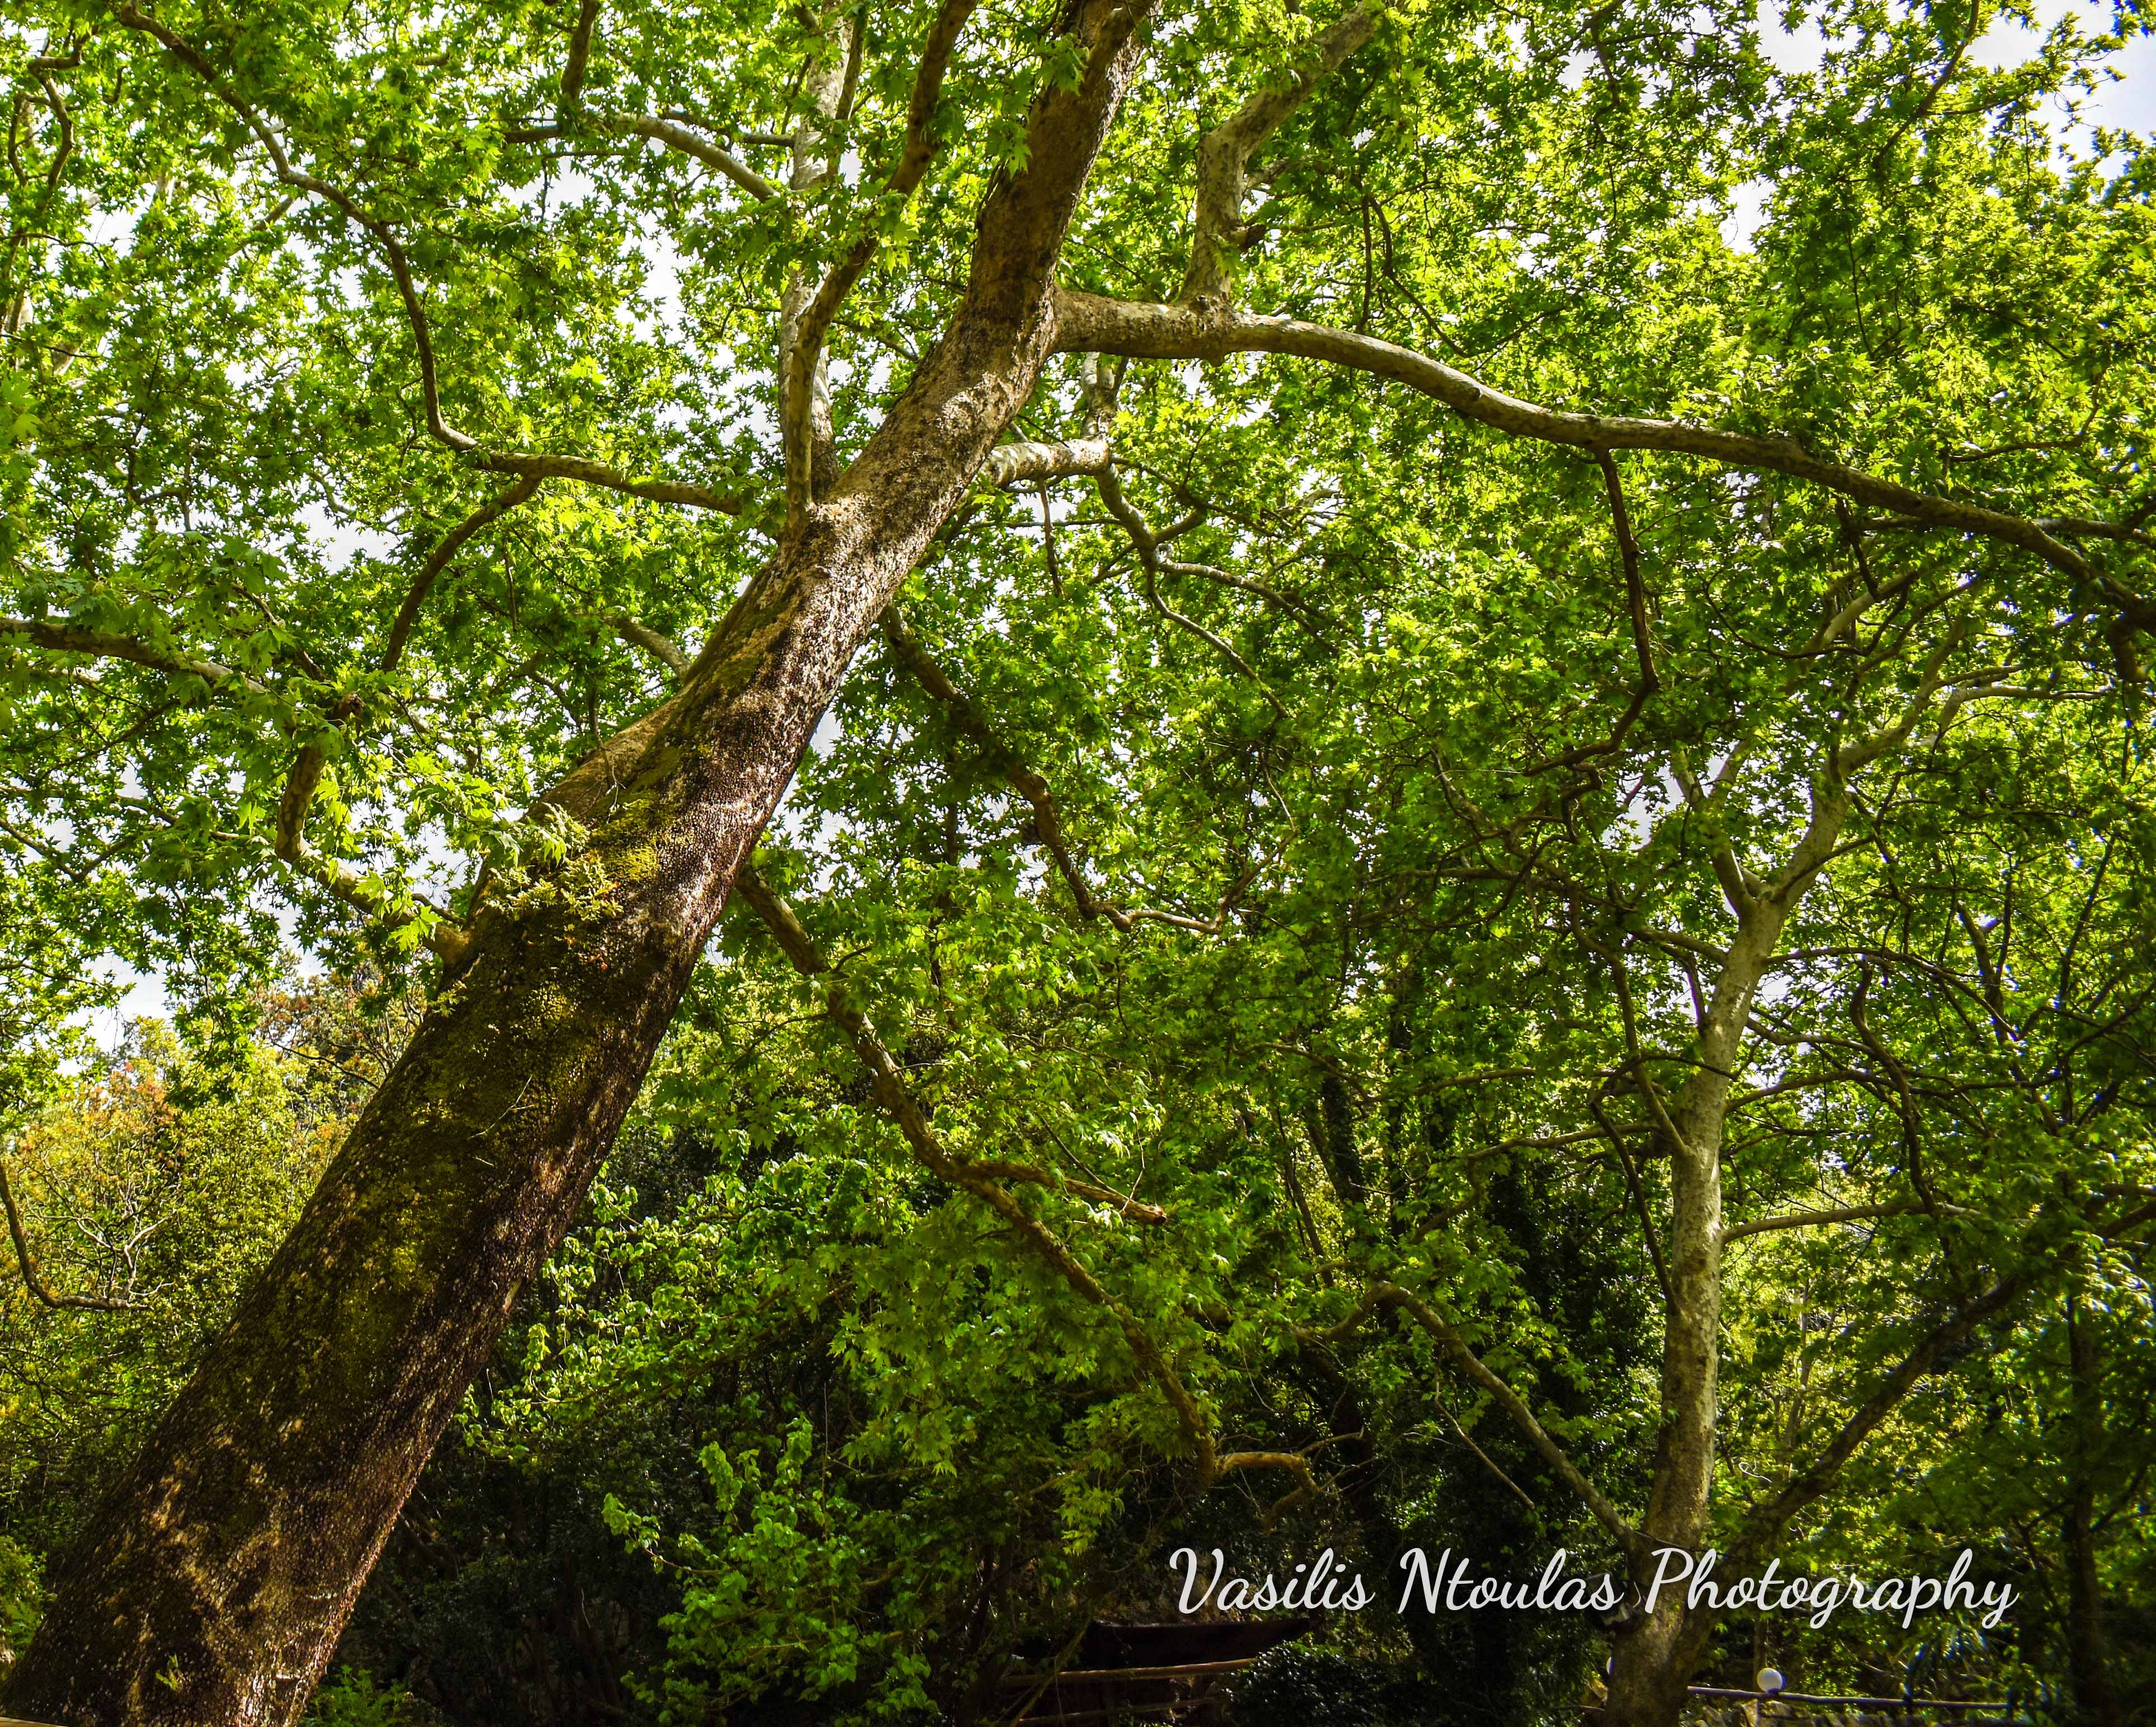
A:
1453, 1586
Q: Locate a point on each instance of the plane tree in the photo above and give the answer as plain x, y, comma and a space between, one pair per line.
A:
456, 453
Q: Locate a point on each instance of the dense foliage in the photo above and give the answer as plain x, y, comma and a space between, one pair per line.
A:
1371, 915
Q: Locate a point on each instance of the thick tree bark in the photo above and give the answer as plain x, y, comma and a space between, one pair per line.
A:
212, 1587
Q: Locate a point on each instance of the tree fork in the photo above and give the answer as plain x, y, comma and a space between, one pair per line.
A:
211, 1589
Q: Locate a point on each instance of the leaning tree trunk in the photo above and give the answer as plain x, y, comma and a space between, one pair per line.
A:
212, 1587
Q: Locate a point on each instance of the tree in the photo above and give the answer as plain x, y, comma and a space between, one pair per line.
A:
387, 271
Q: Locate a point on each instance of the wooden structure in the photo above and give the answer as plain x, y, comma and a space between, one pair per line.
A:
1144, 1673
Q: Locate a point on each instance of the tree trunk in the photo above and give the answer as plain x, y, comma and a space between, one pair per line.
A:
1653, 1660
1653, 1666
212, 1587
2086, 1657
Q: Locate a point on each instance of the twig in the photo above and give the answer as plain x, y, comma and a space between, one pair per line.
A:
28, 1262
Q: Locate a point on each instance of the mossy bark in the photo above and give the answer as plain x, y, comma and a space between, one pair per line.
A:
211, 1589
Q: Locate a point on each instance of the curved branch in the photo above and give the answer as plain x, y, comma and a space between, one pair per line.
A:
640, 635
1150, 563
437, 560
1635, 599
681, 138
400, 267
1143, 329
306, 774
1225, 153
1812, 1220
578, 61
27, 1263
536, 467
70, 639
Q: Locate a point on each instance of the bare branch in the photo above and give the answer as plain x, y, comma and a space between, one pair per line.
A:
1020, 461
1812, 1220
681, 138
28, 1262
643, 635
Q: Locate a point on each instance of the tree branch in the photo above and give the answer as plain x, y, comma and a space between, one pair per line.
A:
1047, 815
1635, 599
800, 948
1150, 564
28, 1262
1618, 1528
400, 267
1218, 235
1021, 460
1810, 1483
807, 339
1090, 322
307, 767
679, 137
898, 1102
536, 467
580, 53
444, 937
437, 560
806, 432
70, 639
1808, 1219
643, 635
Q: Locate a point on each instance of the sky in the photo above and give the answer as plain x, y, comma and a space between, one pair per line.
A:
2128, 104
